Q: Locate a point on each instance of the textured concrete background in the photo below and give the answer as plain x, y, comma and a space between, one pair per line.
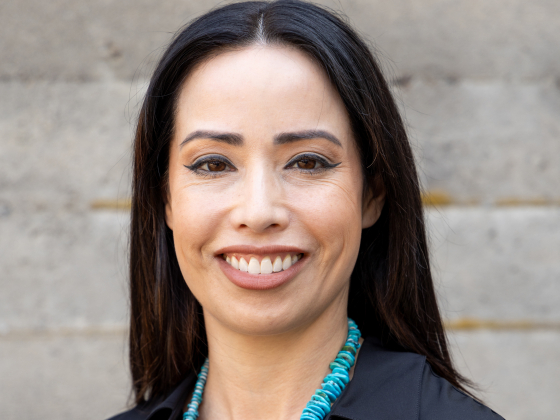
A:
479, 82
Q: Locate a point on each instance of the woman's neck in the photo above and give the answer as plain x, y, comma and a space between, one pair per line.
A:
269, 377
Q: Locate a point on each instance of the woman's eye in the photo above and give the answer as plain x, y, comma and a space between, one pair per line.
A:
214, 166
307, 163
310, 163
211, 165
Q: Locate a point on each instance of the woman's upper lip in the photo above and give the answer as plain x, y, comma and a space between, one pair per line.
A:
259, 250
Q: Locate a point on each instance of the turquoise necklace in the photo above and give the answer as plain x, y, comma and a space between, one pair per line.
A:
321, 402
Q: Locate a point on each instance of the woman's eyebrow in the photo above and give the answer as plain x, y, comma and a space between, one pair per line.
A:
229, 138
284, 138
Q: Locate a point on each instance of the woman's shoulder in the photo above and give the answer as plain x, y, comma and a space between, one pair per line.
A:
147, 412
393, 384
134, 414
440, 399
166, 408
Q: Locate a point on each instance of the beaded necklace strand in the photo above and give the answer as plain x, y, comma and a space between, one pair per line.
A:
321, 402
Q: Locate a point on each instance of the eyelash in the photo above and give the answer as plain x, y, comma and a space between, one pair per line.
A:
195, 167
326, 165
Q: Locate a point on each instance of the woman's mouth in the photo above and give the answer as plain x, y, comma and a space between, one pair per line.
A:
262, 264
260, 268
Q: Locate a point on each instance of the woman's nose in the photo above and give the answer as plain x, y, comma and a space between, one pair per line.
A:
260, 204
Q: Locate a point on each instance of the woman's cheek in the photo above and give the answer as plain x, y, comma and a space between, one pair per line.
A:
331, 213
197, 222
334, 204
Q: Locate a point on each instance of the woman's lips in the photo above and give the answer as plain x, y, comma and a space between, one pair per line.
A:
262, 264
260, 268
259, 281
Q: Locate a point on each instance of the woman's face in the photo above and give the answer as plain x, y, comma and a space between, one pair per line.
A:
265, 191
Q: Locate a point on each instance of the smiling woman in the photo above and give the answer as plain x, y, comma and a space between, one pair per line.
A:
267, 163
274, 196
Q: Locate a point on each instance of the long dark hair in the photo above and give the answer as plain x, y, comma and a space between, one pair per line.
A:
391, 291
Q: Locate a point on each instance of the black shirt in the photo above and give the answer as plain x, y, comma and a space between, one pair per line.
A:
387, 385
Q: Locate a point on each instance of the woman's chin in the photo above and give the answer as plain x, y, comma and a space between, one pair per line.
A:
276, 315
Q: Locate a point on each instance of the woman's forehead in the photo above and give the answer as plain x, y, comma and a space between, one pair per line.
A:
277, 87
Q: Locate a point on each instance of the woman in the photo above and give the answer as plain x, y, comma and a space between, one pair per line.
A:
274, 196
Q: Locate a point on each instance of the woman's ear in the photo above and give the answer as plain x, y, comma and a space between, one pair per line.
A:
374, 199
168, 209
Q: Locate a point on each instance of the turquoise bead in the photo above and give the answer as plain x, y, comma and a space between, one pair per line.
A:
326, 394
335, 364
340, 371
333, 387
314, 410
350, 349
324, 407
329, 394
336, 380
346, 356
344, 378
353, 343
321, 399
343, 362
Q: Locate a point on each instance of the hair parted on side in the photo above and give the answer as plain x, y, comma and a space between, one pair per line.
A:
391, 292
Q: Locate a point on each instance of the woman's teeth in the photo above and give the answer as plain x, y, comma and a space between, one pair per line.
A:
266, 266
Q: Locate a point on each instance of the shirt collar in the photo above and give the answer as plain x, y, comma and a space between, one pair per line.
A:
385, 385
172, 406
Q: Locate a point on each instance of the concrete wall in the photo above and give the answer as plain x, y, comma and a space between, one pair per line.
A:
479, 83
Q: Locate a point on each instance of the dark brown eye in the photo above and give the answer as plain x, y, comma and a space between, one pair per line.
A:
216, 166
306, 164
310, 163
